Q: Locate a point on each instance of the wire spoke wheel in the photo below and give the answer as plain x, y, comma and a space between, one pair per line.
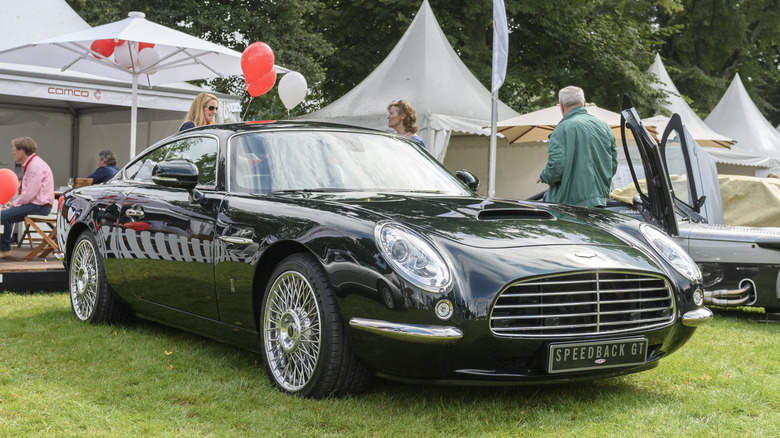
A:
84, 280
91, 297
292, 331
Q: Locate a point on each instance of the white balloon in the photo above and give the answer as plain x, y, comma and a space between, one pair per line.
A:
122, 55
292, 89
147, 57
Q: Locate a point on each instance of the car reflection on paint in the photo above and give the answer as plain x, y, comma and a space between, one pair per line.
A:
340, 253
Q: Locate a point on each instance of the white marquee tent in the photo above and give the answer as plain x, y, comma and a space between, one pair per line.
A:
73, 116
737, 116
734, 160
453, 107
702, 133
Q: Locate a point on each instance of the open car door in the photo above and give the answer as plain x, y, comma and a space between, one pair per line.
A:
656, 205
693, 175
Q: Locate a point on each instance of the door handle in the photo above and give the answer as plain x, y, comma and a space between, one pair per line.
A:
132, 212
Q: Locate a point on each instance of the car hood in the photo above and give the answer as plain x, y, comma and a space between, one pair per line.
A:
486, 223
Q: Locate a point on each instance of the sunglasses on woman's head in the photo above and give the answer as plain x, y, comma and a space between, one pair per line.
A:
211, 108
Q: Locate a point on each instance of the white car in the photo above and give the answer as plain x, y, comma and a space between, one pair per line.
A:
740, 265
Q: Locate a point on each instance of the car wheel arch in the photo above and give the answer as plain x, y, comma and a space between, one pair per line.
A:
272, 256
73, 236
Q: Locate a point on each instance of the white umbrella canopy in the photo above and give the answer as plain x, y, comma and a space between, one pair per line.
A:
177, 56
537, 125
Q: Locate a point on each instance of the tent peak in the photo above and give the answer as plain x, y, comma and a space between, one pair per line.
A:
136, 14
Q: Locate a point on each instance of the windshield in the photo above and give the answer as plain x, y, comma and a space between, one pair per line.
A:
274, 161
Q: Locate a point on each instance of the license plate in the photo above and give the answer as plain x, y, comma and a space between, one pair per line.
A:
594, 355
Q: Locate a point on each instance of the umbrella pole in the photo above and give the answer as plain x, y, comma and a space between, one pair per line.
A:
133, 115
492, 166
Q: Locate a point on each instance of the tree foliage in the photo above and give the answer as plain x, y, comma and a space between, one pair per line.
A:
715, 39
604, 46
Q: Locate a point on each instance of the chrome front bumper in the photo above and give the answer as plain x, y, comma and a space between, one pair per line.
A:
697, 317
418, 333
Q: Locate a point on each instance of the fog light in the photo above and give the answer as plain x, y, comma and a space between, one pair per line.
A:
444, 309
698, 297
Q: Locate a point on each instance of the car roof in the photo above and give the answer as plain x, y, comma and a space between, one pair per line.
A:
262, 125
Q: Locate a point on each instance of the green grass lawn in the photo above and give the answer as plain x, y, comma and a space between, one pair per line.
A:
63, 378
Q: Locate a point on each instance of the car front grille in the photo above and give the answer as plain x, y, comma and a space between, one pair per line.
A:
583, 304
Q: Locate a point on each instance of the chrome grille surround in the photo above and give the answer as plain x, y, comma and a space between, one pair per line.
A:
583, 303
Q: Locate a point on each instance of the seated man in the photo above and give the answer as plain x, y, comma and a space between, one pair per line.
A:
36, 191
106, 167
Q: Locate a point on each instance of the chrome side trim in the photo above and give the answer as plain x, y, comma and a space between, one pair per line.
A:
236, 240
697, 317
418, 333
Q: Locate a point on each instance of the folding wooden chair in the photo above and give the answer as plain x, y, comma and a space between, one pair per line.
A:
47, 242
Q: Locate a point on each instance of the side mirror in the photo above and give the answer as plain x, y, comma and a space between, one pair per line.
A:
468, 178
177, 173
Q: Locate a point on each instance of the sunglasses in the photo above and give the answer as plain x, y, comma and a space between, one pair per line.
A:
211, 108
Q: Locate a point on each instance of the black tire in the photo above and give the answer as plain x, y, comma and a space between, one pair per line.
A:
91, 298
305, 349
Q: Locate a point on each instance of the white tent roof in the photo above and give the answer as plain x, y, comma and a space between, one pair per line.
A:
425, 70
41, 18
702, 133
30, 86
738, 117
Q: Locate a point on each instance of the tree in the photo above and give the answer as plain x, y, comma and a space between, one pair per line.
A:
603, 46
714, 40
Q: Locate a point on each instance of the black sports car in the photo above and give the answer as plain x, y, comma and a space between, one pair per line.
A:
338, 253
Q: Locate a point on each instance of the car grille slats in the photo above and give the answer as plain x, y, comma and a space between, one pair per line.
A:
583, 304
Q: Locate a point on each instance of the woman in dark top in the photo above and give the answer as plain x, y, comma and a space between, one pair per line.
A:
203, 111
106, 167
402, 117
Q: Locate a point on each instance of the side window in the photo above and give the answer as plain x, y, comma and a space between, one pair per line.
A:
201, 151
141, 169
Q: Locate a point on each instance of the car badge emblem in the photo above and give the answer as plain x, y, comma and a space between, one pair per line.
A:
585, 255
600, 361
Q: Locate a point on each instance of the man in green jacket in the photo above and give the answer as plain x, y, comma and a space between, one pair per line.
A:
582, 155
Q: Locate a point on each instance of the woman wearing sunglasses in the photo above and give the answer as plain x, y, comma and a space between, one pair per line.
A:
203, 111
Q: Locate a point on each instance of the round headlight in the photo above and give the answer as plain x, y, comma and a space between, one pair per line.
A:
413, 257
671, 252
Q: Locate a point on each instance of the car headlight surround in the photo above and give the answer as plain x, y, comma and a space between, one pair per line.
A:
671, 252
413, 257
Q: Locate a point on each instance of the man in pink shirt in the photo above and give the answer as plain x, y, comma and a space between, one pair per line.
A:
36, 191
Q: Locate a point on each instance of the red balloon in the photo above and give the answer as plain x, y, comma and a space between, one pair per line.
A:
117, 42
103, 47
262, 85
9, 184
256, 61
142, 46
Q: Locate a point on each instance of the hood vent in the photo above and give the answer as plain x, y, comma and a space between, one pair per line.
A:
514, 213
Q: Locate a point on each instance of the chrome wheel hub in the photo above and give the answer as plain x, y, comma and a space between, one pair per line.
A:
289, 332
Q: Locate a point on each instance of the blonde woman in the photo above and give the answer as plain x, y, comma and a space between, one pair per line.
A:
402, 117
203, 111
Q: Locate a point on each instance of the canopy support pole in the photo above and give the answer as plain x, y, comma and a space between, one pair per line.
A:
133, 115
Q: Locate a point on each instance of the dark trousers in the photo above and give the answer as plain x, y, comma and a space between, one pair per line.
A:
12, 215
